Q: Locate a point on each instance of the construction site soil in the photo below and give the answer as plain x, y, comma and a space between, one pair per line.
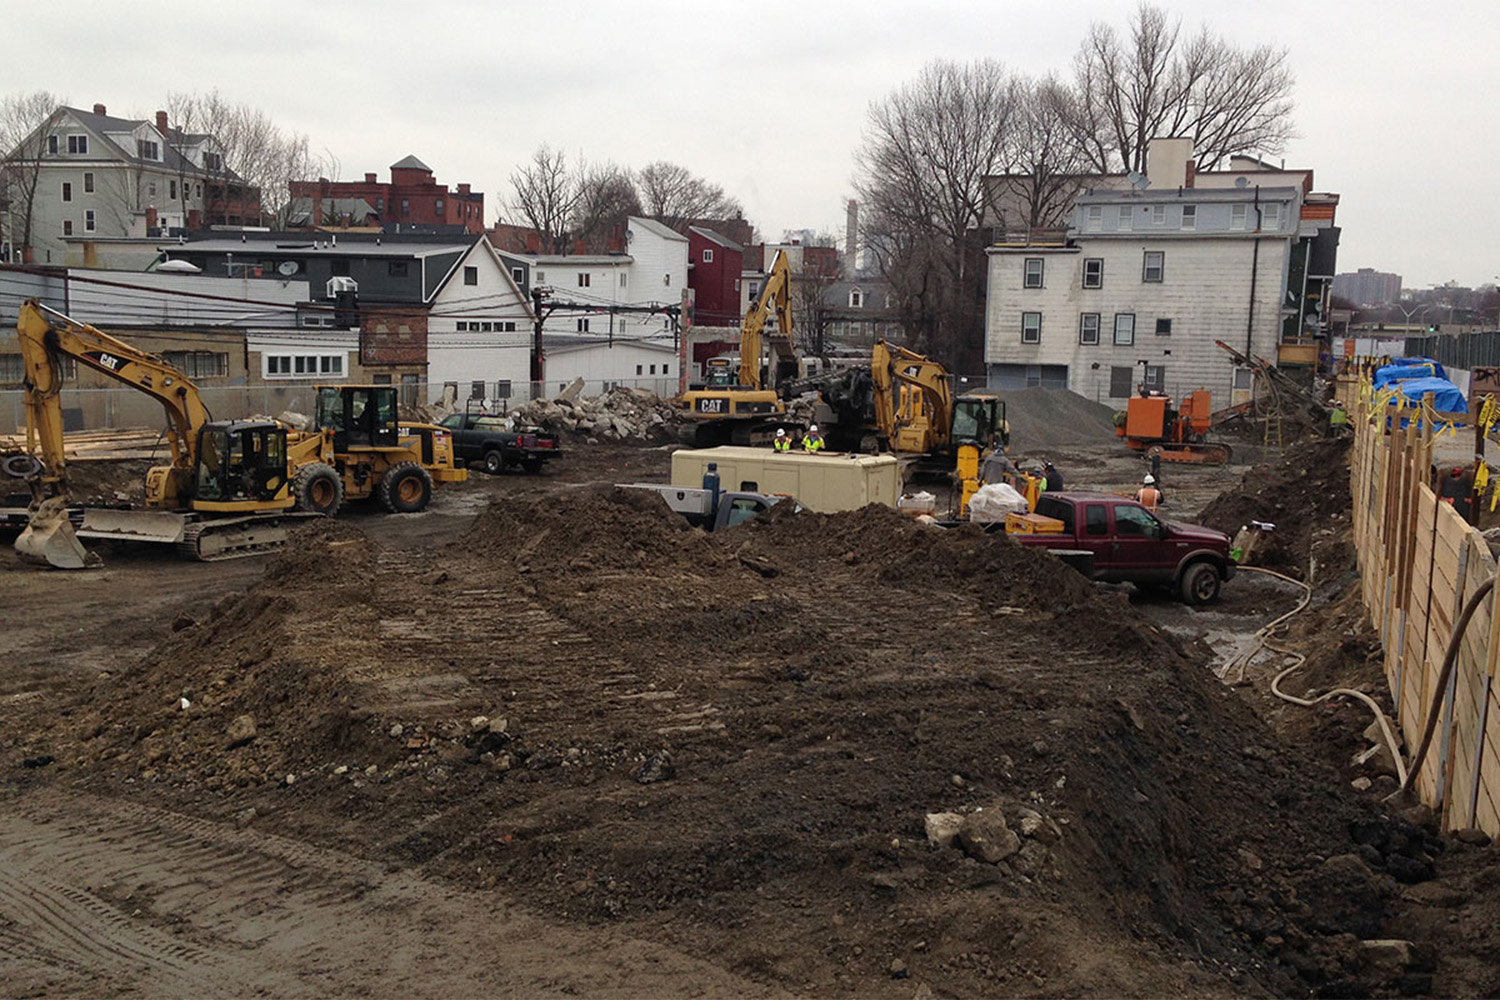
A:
558, 700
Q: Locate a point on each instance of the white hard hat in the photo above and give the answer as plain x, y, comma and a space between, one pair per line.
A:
813, 429
781, 432
1150, 479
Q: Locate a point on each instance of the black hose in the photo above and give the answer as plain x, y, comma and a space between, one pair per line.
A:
1449, 659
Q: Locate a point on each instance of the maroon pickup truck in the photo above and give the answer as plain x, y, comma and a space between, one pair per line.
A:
1121, 541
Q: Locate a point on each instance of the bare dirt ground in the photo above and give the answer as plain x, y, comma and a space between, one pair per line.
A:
703, 767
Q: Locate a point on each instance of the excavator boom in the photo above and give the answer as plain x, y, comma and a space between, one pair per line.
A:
775, 297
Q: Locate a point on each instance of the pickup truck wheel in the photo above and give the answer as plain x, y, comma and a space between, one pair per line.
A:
494, 462
405, 488
317, 488
1199, 584
532, 465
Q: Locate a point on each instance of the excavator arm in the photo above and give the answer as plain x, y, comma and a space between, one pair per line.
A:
48, 338
920, 419
775, 297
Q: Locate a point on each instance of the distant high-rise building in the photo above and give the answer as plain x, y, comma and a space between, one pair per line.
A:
1368, 287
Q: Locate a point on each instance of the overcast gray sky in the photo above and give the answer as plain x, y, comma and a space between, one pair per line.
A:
1395, 100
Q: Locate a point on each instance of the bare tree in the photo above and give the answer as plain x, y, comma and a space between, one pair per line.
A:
1047, 159
23, 145
606, 197
674, 195
1157, 83
546, 195
927, 149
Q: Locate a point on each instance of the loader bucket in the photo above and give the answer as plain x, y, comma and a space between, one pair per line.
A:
49, 539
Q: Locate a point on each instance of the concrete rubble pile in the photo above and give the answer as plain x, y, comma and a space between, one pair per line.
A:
620, 414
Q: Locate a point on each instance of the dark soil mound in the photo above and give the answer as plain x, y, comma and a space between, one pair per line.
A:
1304, 490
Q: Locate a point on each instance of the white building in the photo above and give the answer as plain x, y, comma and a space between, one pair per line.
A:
479, 331
1147, 280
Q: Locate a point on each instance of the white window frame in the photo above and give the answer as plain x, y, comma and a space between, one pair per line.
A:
1270, 217
148, 149
1238, 216
584, 279
299, 364
1189, 216
518, 275
708, 256
1124, 332
88, 182
471, 275
1095, 221
1031, 328
1098, 281
1161, 266
67, 191
1084, 328
583, 324
856, 299
623, 279
1033, 276
88, 220
78, 144
1125, 220
1158, 215
67, 227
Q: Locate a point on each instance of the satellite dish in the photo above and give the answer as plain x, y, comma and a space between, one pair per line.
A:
287, 267
1138, 180
1242, 182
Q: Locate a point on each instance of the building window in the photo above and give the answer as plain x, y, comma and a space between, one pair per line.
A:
1093, 272
1031, 328
1158, 215
518, 275
380, 206
67, 227
708, 256
88, 182
1124, 329
653, 369
172, 190
1189, 216
78, 145
462, 326
1119, 381
1237, 216
583, 325
437, 208
88, 220
1155, 378
1033, 277
1152, 265
502, 389
638, 369
67, 191
856, 299
1124, 218
396, 268
541, 277
405, 208
509, 326
666, 279
213, 161
583, 280
664, 370
199, 364
301, 365
1270, 217
471, 275
623, 276
1095, 218
1163, 327
148, 149
52, 144
1244, 379
151, 188
1088, 329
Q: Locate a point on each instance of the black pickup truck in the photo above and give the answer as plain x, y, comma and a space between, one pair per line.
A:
484, 441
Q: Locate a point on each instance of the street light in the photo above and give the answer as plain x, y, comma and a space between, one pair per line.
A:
1409, 313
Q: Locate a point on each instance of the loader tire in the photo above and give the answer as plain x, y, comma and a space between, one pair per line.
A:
318, 488
406, 488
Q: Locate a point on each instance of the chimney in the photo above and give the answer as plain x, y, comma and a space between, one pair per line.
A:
463, 189
369, 178
161, 122
99, 110
851, 237
151, 218
1167, 160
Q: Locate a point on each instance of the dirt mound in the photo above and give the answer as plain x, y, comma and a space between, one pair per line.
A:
1041, 419
1305, 490
732, 742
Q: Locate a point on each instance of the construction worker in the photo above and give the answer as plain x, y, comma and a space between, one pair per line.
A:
1150, 495
1054, 477
812, 441
782, 442
1338, 420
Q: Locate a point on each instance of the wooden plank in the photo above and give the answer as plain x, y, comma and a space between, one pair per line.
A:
1452, 528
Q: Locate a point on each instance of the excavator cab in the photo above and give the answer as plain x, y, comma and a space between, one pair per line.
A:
242, 465
360, 416
980, 418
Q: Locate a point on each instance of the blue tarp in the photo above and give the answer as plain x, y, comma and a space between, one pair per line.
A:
1388, 374
1445, 395
1437, 369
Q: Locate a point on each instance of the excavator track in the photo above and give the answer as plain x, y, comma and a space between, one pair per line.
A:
237, 537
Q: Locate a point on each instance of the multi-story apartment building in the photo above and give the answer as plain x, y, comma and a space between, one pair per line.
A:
86, 176
1368, 287
1144, 281
412, 197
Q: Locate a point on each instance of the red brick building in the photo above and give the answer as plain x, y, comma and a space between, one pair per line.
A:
715, 264
412, 196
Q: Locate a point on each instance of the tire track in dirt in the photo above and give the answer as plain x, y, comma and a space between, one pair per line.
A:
107, 895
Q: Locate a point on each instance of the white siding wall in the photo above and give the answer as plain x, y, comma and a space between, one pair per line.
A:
469, 355
603, 363
1205, 292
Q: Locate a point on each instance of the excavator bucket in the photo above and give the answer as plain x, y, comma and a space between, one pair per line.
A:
49, 539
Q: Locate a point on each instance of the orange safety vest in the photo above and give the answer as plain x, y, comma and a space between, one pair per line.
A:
1148, 497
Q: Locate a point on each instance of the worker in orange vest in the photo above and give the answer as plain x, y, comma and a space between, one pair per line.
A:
1149, 495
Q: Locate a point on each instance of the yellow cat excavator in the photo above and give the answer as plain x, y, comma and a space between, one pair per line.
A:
232, 487
737, 414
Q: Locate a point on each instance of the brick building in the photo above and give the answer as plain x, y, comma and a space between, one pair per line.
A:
412, 196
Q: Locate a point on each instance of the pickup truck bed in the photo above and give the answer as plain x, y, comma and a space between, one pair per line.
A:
1118, 540
484, 441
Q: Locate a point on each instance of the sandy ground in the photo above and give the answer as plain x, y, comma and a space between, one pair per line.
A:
804, 692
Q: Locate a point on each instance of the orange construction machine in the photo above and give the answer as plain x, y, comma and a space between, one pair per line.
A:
1151, 425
